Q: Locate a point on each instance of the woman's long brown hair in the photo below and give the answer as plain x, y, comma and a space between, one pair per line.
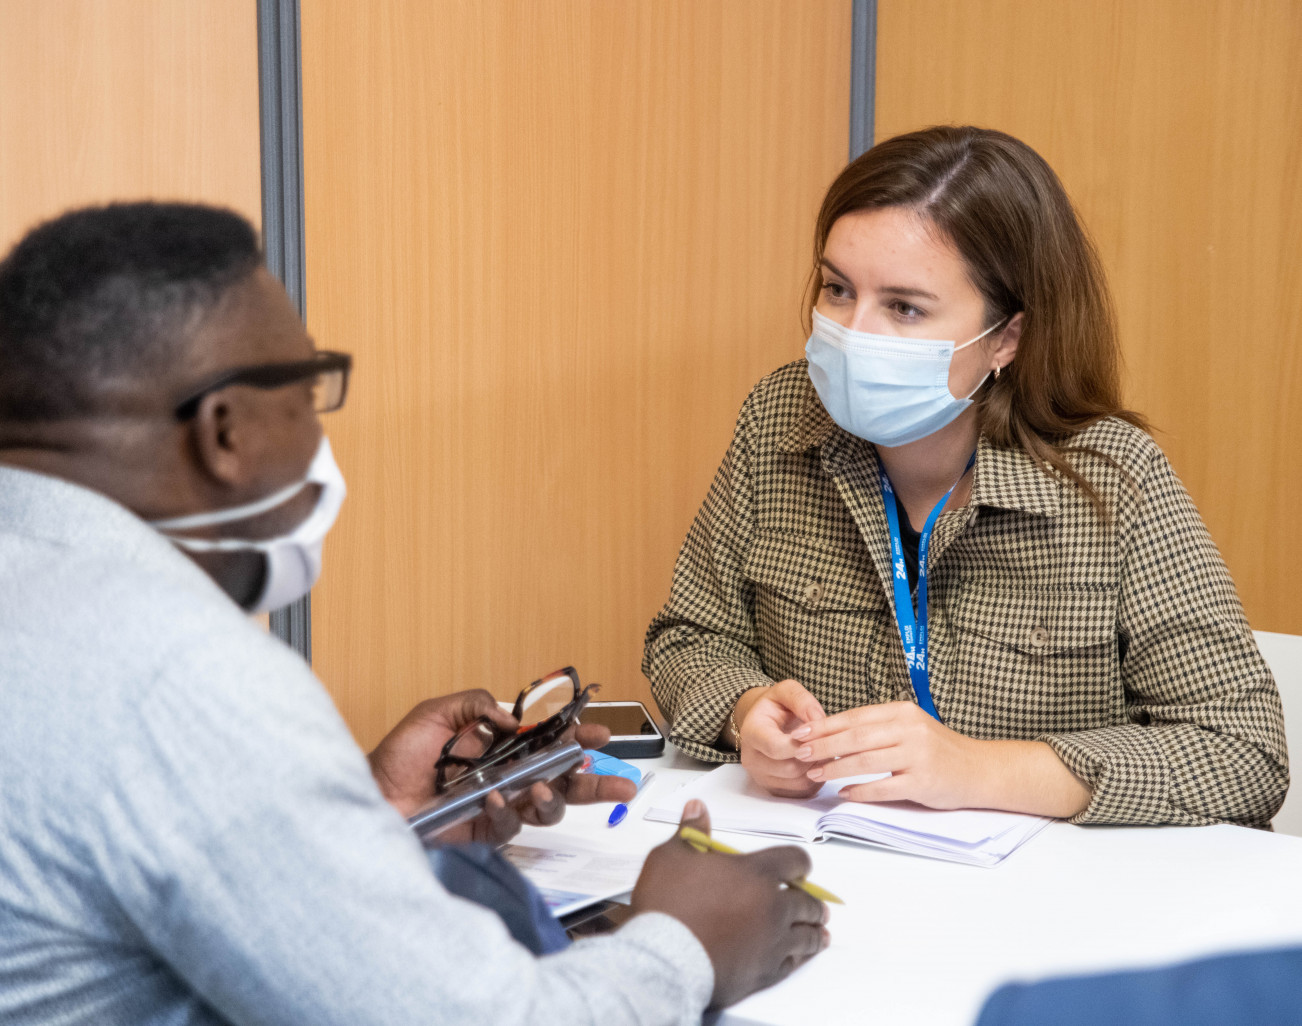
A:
1008, 215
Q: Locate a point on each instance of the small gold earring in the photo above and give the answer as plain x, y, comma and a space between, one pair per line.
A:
996, 373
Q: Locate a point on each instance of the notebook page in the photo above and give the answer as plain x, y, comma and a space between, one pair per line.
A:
905, 819
737, 803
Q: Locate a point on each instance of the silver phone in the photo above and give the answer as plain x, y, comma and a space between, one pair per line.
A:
464, 800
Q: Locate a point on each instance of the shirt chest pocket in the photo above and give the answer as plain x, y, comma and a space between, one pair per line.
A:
821, 617
1033, 661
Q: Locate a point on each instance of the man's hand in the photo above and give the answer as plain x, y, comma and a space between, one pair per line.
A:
768, 750
403, 767
755, 930
403, 763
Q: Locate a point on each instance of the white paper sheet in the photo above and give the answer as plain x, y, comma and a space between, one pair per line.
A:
736, 803
571, 876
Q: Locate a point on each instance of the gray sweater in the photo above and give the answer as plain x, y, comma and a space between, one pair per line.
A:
188, 833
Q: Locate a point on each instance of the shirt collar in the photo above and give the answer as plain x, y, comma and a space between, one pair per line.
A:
811, 426
1010, 479
1003, 478
73, 516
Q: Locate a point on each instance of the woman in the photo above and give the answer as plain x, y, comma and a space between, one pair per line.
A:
939, 548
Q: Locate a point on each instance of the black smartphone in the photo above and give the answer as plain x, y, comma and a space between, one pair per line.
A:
633, 733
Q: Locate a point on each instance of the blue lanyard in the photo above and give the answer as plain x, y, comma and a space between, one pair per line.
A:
913, 626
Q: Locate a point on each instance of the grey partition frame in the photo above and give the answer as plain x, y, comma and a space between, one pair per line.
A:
280, 106
863, 74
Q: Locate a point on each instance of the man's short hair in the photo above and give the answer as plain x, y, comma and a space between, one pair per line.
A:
110, 295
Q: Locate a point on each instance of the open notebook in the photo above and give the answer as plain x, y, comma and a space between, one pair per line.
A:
976, 837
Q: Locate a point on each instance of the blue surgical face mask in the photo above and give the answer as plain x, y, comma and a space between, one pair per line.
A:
883, 388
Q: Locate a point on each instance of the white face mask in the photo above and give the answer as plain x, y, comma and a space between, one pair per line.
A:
293, 559
883, 388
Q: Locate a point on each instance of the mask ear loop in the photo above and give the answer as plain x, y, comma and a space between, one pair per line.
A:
1001, 323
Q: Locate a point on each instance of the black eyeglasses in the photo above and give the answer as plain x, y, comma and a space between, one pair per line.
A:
329, 387
545, 710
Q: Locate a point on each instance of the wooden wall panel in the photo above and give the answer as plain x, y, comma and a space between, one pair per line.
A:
563, 238
126, 99
1177, 129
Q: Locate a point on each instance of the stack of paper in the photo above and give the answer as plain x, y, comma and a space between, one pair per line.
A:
571, 875
976, 837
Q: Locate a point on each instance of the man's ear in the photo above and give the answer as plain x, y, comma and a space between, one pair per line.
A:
1008, 339
227, 441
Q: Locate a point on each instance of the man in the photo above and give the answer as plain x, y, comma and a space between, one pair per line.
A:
189, 833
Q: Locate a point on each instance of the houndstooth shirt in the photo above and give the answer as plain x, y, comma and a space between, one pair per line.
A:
1122, 646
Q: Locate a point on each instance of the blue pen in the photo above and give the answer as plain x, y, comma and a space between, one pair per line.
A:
620, 812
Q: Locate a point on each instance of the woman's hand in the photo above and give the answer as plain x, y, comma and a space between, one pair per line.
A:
935, 766
929, 763
768, 749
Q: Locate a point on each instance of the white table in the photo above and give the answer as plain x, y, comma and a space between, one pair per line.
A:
924, 942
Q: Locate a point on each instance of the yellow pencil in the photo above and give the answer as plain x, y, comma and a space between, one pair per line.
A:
704, 842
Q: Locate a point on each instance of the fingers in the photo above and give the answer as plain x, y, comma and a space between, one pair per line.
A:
786, 778
543, 806
800, 906
768, 740
800, 788
471, 705
776, 720
782, 864
882, 760
587, 788
846, 742
808, 939
806, 942
888, 789
592, 735
696, 816
865, 716
500, 821
864, 729
793, 696
776, 771
803, 943
765, 731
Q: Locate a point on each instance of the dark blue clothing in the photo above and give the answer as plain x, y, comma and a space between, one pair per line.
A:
482, 874
1261, 988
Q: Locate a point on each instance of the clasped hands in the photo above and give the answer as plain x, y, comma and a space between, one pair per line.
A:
403, 767
791, 747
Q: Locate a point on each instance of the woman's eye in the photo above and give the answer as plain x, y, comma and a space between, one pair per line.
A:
905, 310
835, 290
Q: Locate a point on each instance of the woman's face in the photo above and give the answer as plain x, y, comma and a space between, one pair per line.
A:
886, 271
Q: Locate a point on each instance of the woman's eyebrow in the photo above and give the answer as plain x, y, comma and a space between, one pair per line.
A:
834, 269
888, 290
911, 293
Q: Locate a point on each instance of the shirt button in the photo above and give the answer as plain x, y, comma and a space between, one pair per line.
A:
813, 593
1039, 637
